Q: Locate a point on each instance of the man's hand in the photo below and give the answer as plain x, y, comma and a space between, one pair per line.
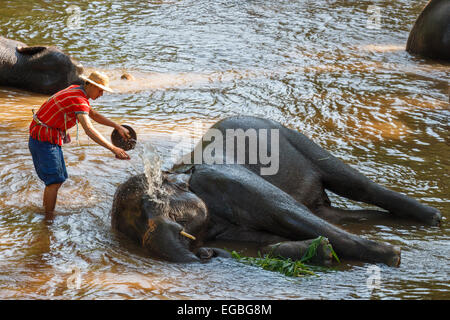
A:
123, 132
97, 117
120, 154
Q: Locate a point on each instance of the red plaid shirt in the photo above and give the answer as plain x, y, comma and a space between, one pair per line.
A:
59, 113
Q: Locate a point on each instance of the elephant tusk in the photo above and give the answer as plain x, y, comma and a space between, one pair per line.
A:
190, 236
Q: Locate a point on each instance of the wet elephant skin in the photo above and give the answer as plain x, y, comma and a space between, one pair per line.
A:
234, 202
40, 69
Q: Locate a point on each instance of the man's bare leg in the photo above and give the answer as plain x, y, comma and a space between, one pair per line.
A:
49, 201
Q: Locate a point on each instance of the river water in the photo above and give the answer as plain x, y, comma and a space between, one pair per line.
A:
334, 70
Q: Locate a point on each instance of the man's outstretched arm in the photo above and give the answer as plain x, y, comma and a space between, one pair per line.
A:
98, 137
99, 118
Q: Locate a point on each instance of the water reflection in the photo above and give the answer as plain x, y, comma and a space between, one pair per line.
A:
312, 65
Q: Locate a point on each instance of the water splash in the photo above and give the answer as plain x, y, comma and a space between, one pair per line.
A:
152, 161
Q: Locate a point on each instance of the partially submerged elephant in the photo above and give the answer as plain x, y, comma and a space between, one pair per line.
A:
430, 35
39, 69
236, 202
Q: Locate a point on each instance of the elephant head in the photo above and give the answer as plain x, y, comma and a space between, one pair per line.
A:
41, 69
163, 225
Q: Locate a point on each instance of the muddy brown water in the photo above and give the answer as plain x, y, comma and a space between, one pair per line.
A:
334, 70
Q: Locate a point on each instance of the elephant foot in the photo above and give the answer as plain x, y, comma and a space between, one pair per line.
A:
396, 259
297, 250
391, 257
434, 217
375, 252
425, 214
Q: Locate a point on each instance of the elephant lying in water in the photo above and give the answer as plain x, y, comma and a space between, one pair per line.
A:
236, 202
39, 69
430, 35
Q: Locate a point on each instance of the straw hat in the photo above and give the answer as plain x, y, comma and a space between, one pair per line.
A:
98, 79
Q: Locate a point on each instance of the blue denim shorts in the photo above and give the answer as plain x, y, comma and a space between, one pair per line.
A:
48, 161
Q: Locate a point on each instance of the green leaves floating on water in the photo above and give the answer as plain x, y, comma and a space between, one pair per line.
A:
285, 266
288, 267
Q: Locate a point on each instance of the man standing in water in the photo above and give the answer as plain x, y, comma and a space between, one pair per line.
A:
48, 131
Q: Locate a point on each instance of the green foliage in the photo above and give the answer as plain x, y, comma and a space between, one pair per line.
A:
288, 267
312, 250
285, 266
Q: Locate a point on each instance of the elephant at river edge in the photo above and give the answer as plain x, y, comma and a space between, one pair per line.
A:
40, 69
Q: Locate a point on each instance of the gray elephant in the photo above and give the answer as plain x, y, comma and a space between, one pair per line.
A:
233, 201
430, 35
38, 69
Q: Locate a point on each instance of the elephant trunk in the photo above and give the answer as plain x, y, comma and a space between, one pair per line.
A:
166, 239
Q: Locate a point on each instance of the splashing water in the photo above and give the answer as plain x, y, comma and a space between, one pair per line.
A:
153, 163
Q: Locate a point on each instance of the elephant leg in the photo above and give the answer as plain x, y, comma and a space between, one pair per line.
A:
345, 181
351, 184
340, 216
243, 198
296, 250
222, 230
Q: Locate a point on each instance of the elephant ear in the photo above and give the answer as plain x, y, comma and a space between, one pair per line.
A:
30, 50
